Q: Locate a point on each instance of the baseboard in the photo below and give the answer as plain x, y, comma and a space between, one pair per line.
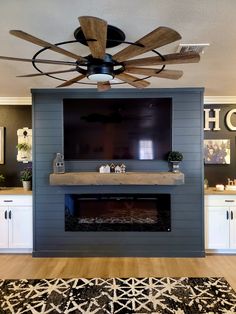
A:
16, 251
221, 251
163, 254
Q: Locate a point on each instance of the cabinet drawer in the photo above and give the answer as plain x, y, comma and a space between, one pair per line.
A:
9, 200
219, 200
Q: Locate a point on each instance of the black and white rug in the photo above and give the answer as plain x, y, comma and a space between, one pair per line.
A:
117, 296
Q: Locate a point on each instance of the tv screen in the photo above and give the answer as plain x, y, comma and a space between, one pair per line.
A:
106, 129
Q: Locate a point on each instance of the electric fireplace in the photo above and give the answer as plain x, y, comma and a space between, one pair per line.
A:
117, 212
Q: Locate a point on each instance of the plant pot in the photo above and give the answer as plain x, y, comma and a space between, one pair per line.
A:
175, 166
27, 185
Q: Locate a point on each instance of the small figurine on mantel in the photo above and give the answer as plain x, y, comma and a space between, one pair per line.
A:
123, 168
104, 169
112, 167
231, 182
101, 169
107, 169
117, 169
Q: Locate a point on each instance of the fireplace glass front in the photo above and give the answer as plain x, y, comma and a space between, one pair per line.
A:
117, 212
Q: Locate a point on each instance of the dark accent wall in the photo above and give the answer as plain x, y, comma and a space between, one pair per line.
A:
187, 235
218, 174
13, 118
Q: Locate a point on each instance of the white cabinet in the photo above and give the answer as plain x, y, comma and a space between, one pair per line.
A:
3, 227
15, 222
220, 222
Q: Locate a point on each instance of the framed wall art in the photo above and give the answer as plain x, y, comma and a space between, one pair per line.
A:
1, 145
217, 151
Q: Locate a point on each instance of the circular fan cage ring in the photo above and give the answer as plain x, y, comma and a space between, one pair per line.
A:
82, 71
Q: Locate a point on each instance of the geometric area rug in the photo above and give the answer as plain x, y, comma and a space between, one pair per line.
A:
117, 296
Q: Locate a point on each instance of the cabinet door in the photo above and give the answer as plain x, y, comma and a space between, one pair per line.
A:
3, 227
233, 227
217, 227
20, 226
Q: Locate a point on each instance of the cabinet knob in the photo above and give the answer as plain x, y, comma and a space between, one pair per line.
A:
10, 214
227, 215
232, 215
229, 201
5, 214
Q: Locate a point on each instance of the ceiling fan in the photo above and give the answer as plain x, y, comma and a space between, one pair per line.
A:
101, 68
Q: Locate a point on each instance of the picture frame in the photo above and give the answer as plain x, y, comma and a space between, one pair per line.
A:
217, 151
1, 145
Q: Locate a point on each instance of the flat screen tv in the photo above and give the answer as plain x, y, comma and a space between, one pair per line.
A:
107, 129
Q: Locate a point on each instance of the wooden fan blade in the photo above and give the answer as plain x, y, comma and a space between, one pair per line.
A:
38, 61
103, 86
72, 81
132, 80
95, 29
157, 38
173, 58
46, 73
45, 44
169, 74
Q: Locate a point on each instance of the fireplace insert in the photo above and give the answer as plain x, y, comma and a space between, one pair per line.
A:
117, 212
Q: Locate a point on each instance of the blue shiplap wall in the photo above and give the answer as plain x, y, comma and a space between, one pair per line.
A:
187, 235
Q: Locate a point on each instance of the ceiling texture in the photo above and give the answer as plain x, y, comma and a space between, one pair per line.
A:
197, 21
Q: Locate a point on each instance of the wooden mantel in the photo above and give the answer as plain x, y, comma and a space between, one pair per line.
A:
128, 178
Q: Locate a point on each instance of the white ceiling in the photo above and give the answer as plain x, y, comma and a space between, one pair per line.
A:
198, 21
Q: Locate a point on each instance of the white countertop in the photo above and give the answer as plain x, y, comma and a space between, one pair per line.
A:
21, 191
14, 191
213, 191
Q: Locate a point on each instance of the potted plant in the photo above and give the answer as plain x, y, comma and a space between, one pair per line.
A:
23, 146
174, 158
26, 178
24, 151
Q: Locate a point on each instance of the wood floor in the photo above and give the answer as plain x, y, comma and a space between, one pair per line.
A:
24, 266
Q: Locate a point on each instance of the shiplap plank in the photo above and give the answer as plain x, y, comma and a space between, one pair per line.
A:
187, 139
49, 148
186, 115
191, 123
51, 115
51, 132
191, 131
45, 124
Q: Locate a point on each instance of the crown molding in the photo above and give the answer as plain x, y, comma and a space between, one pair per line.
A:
16, 101
207, 100
222, 100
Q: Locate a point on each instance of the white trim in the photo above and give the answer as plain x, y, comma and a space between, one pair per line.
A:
220, 251
219, 100
15, 101
18, 251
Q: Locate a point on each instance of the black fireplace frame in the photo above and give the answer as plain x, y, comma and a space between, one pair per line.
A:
164, 225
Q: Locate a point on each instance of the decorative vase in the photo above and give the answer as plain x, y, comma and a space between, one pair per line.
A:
175, 166
27, 185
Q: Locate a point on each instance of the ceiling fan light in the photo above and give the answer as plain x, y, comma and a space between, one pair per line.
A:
100, 77
100, 72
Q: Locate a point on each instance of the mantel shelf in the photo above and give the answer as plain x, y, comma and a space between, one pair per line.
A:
127, 178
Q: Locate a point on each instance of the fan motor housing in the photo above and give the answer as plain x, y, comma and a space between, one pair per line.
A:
104, 71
